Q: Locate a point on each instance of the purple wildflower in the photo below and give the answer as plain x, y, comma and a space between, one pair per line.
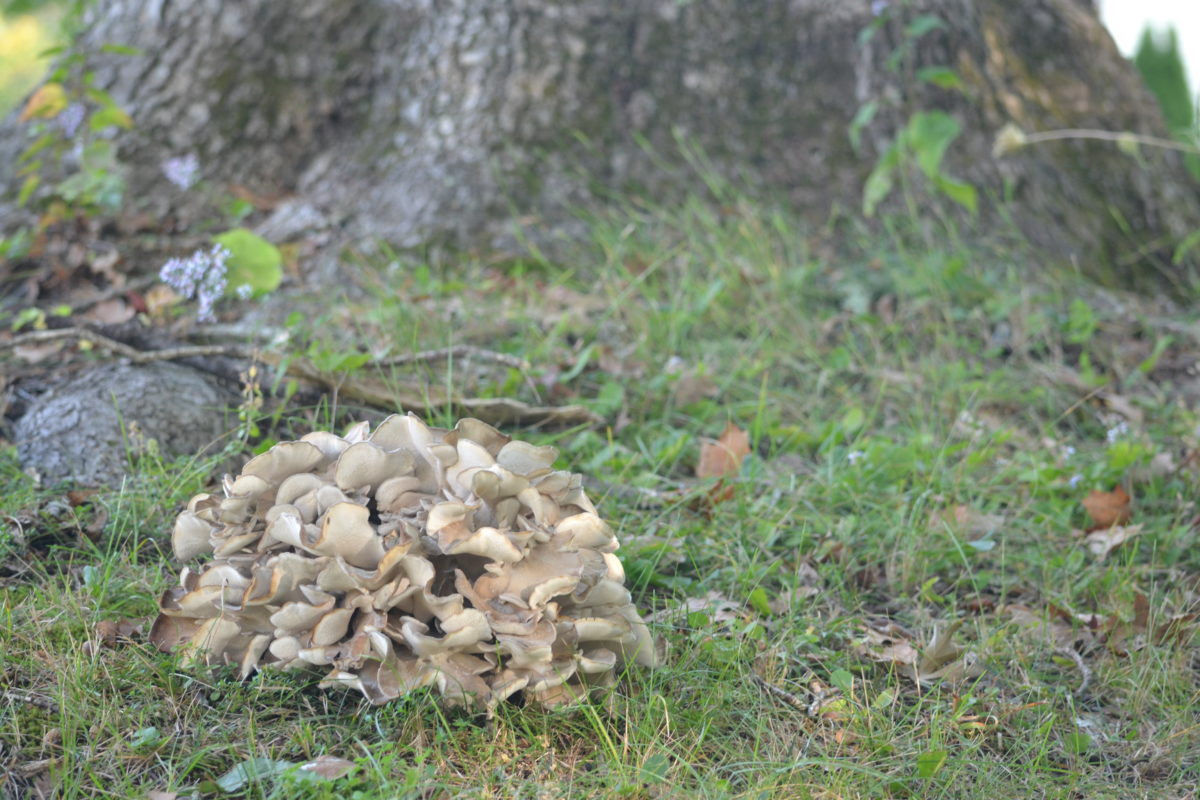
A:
200, 275
878, 7
70, 119
244, 291
182, 170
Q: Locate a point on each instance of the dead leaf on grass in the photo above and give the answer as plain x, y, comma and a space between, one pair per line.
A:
725, 455
109, 632
716, 606
37, 353
940, 660
721, 459
1103, 542
1053, 628
329, 768
974, 524
110, 312
1108, 508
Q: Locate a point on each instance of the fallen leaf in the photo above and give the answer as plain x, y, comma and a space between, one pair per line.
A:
154, 794
249, 772
110, 631
692, 387
1108, 508
37, 353
1103, 542
1052, 628
966, 520
725, 455
943, 660
329, 768
109, 312
716, 606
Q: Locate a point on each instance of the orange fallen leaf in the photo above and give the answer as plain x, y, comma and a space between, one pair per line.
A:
725, 455
1108, 508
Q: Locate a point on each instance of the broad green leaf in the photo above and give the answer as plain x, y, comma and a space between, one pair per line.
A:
960, 192
110, 117
759, 602
1077, 743
928, 135
944, 77
27, 189
656, 767
923, 25
36, 146
862, 118
880, 181
930, 762
253, 262
120, 49
250, 771
1185, 247
843, 680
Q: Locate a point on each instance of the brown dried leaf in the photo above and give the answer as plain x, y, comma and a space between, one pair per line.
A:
1050, 627
328, 767
109, 312
1103, 542
943, 660
725, 455
966, 520
37, 353
1108, 508
692, 387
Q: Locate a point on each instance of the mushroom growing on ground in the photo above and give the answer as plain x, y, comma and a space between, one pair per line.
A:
405, 557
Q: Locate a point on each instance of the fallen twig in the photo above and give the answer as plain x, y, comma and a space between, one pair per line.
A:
365, 386
127, 351
782, 694
457, 351
29, 698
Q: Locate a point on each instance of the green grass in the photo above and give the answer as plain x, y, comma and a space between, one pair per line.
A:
884, 383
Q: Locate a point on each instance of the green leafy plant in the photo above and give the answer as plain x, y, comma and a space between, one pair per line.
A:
253, 262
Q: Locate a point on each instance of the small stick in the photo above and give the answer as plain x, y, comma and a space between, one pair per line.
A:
782, 694
22, 696
238, 351
457, 351
124, 350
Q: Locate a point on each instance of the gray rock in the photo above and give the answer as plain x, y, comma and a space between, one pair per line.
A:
84, 430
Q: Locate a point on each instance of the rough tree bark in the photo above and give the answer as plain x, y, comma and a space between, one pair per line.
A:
422, 121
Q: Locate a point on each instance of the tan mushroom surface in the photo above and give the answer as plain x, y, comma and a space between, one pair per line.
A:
407, 557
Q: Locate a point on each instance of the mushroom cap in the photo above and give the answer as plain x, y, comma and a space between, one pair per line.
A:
406, 557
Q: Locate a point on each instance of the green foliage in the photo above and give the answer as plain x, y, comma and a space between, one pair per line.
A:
253, 261
922, 142
1159, 61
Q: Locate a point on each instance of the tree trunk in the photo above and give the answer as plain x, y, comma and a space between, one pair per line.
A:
424, 122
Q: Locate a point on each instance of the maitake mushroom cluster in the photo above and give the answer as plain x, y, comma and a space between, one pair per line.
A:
407, 557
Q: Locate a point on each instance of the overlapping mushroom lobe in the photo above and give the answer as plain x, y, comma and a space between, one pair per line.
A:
406, 557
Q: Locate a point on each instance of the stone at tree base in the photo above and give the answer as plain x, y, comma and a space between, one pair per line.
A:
79, 431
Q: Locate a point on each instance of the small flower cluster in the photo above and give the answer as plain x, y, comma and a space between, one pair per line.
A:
201, 275
1116, 432
182, 170
70, 119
